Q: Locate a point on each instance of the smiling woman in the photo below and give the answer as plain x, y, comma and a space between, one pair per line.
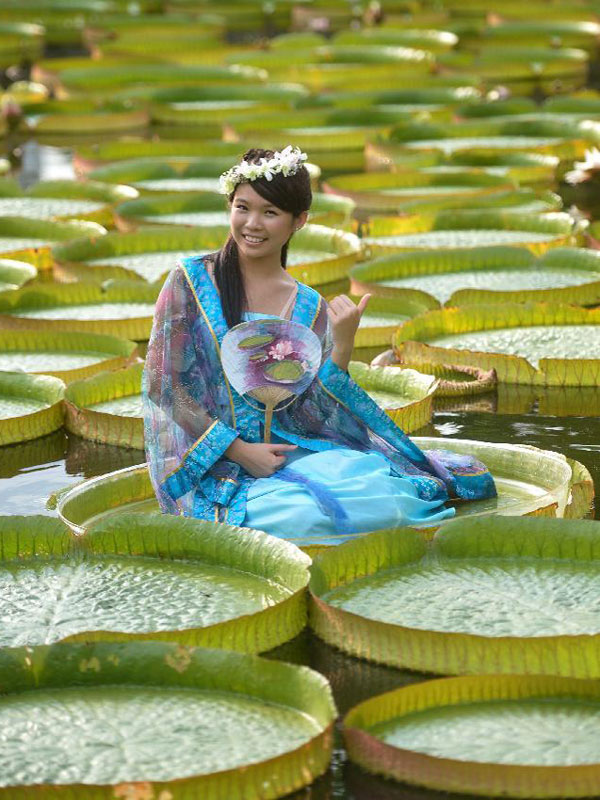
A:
353, 470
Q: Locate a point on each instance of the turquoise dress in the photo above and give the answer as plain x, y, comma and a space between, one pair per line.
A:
326, 497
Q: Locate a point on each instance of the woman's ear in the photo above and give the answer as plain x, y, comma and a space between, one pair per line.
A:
300, 220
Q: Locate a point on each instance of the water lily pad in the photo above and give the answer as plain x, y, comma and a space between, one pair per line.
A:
487, 735
465, 276
107, 407
534, 343
470, 228
69, 356
14, 274
30, 240
389, 191
30, 406
547, 488
149, 253
286, 371
405, 394
124, 309
212, 588
255, 341
489, 596
230, 722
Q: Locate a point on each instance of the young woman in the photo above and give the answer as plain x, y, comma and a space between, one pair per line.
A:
337, 465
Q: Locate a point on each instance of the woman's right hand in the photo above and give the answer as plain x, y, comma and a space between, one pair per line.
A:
260, 459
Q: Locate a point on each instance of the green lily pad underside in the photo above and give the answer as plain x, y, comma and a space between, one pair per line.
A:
199, 732
535, 732
129, 595
129, 406
531, 342
19, 406
149, 265
462, 238
491, 597
46, 207
49, 360
442, 285
91, 311
179, 184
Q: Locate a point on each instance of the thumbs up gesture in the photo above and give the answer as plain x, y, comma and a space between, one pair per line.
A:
344, 317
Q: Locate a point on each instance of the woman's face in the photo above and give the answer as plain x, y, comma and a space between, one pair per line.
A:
259, 228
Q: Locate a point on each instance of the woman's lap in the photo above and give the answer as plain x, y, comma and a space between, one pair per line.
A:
359, 483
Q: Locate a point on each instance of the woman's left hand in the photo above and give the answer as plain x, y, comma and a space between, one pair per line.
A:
345, 319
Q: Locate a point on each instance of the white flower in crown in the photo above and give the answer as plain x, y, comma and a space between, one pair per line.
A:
287, 162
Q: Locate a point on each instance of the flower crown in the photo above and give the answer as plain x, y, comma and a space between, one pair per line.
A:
287, 162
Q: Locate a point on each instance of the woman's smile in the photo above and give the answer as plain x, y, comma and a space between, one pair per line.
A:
258, 225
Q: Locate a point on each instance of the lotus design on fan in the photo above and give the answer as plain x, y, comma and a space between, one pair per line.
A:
271, 360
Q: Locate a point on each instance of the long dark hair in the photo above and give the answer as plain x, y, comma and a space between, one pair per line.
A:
292, 194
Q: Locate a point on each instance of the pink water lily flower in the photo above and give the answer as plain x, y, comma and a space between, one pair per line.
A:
280, 350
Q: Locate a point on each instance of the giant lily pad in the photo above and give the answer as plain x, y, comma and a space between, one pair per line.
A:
30, 406
547, 489
471, 228
108, 407
387, 192
30, 240
566, 138
124, 309
150, 253
534, 343
14, 274
381, 318
208, 209
320, 255
461, 277
213, 585
66, 355
483, 735
405, 394
98, 77
175, 174
232, 724
56, 200
488, 596
197, 105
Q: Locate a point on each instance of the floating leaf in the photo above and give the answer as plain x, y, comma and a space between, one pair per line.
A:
215, 585
14, 274
30, 240
124, 309
30, 406
66, 355
107, 407
466, 276
405, 394
501, 726
510, 338
231, 723
470, 228
432, 609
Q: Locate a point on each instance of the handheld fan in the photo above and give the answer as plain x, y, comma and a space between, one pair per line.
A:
271, 360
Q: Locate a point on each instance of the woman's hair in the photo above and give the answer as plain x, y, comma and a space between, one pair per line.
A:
292, 194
